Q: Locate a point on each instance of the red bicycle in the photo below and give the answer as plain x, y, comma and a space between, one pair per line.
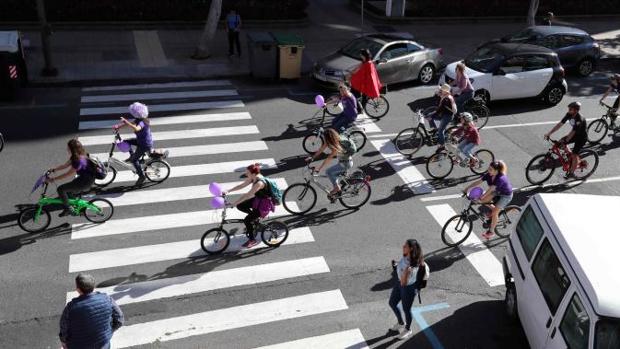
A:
542, 166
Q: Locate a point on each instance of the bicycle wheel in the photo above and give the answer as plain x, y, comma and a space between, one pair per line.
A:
274, 233
540, 169
157, 171
376, 108
409, 141
99, 210
484, 158
355, 192
597, 130
439, 165
109, 178
587, 165
312, 143
332, 106
358, 138
302, 196
456, 230
507, 217
29, 221
214, 240
481, 115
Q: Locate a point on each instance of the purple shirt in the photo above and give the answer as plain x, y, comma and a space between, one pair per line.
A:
349, 106
81, 166
463, 83
144, 136
501, 183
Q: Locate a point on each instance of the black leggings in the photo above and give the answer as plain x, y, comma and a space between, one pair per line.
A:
76, 186
253, 215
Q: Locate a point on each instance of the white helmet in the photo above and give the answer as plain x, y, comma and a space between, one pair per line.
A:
467, 117
139, 110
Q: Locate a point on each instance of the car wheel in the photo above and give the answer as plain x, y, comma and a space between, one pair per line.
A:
553, 95
510, 303
427, 73
585, 67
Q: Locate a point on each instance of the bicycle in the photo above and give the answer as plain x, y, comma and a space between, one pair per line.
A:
458, 228
353, 186
375, 108
411, 139
156, 169
216, 240
37, 218
545, 164
313, 142
597, 130
440, 164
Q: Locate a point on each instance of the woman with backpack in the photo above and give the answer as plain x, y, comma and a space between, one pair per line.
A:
143, 142
341, 147
78, 164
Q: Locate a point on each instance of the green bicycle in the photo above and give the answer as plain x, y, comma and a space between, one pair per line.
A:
37, 218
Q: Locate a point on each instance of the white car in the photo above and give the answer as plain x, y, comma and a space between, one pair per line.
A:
501, 71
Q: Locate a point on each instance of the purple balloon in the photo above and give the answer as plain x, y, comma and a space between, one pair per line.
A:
218, 202
123, 146
475, 193
320, 101
215, 189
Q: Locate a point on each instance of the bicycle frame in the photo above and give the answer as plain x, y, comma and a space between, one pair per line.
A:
116, 162
225, 221
560, 149
78, 204
310, 178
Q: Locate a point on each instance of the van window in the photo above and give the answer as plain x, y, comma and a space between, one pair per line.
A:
607, 334
575, 325
550, 275
529, 232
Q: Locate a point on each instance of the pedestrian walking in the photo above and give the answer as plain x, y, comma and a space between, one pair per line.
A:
233, 26
548, 20
89, 320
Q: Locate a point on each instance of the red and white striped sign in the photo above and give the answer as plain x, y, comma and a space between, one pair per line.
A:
13, 71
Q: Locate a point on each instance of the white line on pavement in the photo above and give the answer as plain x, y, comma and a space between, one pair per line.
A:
367, 123
158, 95
171, 120
474, 250
166, 107
439, 198
166, 252
351, 339
202, 83
229, 318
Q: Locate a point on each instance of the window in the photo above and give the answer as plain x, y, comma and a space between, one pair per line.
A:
607, 334
484, 60
575, 325
513, 65
413, 48
529, 232
394, 51
571, 40
353, 48
551, 41
550, 275
536, 63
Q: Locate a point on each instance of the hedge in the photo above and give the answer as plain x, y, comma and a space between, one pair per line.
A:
147, 10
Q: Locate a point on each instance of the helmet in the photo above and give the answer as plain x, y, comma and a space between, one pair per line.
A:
139, 110
467, 117
575, 105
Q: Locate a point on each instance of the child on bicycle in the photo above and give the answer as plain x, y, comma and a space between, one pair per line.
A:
349, 109
143, 142
469, 138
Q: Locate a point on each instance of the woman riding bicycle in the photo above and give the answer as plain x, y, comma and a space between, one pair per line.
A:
444, 112
614, 86
143, 142
339, 146
349, 109
365, 79
79, 164
499, 194
463, 90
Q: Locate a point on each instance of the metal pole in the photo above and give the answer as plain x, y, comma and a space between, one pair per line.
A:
362, 15
46, 32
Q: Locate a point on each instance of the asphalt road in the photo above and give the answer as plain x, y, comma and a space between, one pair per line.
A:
334, 272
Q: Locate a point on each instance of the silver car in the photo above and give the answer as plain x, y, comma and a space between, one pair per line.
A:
397, 59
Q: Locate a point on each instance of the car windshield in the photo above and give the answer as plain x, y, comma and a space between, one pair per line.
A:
526, 35
352, 49
607, 334
484, 60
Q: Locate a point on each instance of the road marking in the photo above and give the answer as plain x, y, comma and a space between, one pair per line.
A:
439, 198
158, 222
174, 194
203, 83
351, 339
158, 95
215, 280
474, 250
208, 149
367, 123
414, 180
383, 135
229, 318
428, 332
181, 134
168, 251
170, 120
148, 47
202, 169
166, 107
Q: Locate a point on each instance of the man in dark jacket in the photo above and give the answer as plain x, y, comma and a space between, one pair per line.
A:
89, 320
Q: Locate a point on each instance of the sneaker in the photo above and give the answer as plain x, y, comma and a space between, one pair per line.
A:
140, 181
397, 328
486, 224
488, 235
405, 334
67, 212
250, 243
569, 175
128, 160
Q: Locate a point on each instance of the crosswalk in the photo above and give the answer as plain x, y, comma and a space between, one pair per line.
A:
197, 122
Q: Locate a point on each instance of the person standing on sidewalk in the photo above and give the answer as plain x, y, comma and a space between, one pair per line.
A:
233, 26
89, 320
549, 19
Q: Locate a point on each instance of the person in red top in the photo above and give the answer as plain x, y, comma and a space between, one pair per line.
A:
470, 137
365, 79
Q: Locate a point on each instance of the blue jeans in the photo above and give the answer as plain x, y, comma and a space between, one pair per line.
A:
340, 122
465, 148
406, 295
136, 155
445, 120
461, 99
338, 169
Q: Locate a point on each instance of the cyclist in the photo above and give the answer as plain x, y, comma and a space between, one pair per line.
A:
365, 79
339, 146
349, 109
143, 142
79, 164
578, 135
462, 90
614, 86
445, 111
248, 202
499, 194
470, 137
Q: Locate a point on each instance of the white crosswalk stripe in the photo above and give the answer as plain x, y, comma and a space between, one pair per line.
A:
170, 120
351, 339
204, 83
165, 107
158, 95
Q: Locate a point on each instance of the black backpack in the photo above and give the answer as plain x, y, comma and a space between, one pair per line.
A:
97, 168
421, 279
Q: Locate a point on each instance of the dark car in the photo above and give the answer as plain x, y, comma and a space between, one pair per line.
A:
576, 48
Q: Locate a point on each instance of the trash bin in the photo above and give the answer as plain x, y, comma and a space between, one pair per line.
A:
263, 58
13, 72
291, 47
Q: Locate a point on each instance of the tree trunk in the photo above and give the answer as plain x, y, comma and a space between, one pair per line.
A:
531, 13
203, 50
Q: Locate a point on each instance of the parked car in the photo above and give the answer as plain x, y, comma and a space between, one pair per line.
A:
508, 71
398, 59
559, 274
576, 48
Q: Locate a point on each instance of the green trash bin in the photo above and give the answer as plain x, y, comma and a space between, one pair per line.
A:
291, 48
263, 55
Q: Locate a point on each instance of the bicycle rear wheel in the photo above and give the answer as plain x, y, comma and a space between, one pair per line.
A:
597, 130
409, 141
99, 210
587, 165
274, 233
507, 217
358, 138
484, 158
456, 230
332, 107
299, 198
32, 222
215, 241
439, 165
376, 108
312, 143
481, 115
157, 171
540, 168
355, 192
109, 178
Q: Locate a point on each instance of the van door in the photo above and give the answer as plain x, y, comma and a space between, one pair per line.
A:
571, 329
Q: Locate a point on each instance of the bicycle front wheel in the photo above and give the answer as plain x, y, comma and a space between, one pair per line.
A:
274, 233
439, 165
99, 210
376, 108
32, 221
358, 138
506, 218
332, 106
299, 198
157, 171
484, 158
587, 165
456, 230
481, 115
109, 178
355, 193
597, 130
215, 241
540, 169
312, 143
409, 141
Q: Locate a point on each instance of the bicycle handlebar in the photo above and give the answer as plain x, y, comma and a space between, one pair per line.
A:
606, 105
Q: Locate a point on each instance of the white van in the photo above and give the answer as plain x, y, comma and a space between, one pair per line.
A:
562, 271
